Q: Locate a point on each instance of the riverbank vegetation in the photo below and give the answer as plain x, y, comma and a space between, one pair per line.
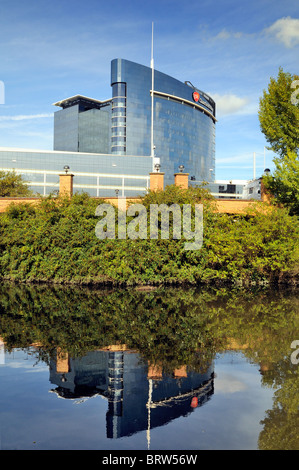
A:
55, 241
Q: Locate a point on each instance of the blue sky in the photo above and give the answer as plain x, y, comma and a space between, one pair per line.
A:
227, 48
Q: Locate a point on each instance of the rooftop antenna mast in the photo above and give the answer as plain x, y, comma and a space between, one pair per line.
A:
152, 94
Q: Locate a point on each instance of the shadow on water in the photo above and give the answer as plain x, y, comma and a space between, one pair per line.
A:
161, 344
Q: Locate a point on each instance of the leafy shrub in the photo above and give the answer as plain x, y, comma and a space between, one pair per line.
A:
55, 241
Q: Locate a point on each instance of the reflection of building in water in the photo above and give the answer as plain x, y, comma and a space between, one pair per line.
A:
139, 396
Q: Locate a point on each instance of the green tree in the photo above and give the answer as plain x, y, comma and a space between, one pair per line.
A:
278, 116
12, 185
284, 183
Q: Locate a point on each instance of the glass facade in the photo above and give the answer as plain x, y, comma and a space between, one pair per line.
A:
184, 129
97, 174
94, 127
66, 127
118, 119
107, 144
79, 128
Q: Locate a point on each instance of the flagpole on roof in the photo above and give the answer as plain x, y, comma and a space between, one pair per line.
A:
152, 95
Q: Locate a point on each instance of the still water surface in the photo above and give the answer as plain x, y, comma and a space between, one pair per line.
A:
147, 370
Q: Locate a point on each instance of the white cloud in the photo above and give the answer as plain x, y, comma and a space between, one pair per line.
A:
229, 104
228, 384
285, 30
23, 117
224, 34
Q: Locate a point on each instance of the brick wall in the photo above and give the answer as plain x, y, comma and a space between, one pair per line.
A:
229, 206
6, 201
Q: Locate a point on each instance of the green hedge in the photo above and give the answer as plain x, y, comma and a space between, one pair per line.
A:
55, 241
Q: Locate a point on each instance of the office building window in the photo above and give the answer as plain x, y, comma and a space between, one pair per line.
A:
118, 118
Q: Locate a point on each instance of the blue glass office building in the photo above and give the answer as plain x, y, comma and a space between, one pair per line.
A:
114, 144
183, 120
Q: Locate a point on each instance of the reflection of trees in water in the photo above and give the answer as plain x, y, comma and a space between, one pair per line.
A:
280, 430
170, 328
281, 424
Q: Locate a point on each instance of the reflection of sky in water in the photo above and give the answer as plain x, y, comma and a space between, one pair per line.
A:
2, 353
231, 419
33, 418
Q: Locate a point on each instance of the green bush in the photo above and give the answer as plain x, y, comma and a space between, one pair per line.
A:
55, 241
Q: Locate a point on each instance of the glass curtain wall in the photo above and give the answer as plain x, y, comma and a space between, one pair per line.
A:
184, 125
118, 119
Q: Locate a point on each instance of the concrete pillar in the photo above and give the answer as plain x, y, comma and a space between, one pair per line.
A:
62, 362
66, 184
154, 372
181, 372
181, 179
156, 181
115, 348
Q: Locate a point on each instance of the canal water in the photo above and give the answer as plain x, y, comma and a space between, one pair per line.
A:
162, 369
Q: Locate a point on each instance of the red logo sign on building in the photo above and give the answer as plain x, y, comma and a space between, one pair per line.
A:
195, 96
